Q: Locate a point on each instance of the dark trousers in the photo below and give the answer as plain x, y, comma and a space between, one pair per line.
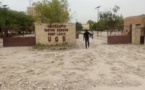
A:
87, 43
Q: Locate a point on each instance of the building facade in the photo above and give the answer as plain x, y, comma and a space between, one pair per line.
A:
85, 26
31, 11
129, 21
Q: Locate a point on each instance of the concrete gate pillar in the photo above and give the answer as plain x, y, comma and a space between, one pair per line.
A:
136, 33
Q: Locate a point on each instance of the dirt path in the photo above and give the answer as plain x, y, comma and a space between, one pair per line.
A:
101, 67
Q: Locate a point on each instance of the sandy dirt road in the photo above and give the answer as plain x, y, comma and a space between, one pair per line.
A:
101, 67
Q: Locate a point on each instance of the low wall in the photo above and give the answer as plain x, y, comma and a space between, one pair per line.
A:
104, 33
19, 41
119, 39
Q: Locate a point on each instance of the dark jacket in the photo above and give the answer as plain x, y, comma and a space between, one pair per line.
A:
86, 35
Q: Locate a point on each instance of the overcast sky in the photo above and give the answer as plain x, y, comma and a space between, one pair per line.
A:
84, 10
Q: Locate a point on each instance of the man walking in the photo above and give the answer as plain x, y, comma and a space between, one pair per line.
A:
86, 37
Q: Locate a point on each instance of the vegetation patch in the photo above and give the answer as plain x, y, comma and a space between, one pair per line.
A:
54, 47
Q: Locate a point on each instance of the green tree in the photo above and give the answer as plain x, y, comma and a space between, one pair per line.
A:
55, 11
94, 26
79, 26
98, 26
90, 22
15, 21
111, 20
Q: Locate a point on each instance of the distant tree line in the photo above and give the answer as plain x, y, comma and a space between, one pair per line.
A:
14, 22
108, 20
54, 11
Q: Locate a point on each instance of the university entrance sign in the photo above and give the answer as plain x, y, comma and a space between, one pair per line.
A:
55, 34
